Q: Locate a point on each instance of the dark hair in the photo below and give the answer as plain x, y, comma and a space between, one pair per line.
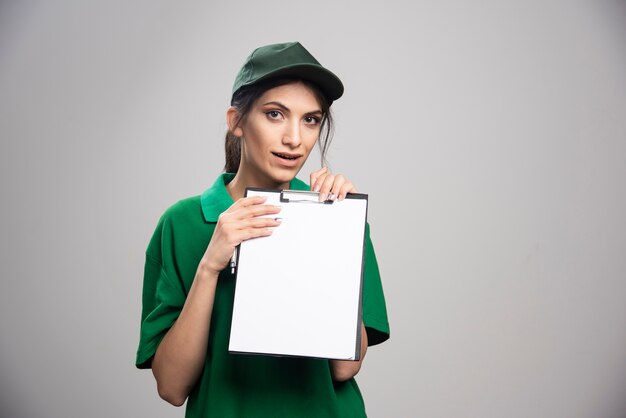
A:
245, 97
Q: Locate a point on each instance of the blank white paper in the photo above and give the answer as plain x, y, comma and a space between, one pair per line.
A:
298, 290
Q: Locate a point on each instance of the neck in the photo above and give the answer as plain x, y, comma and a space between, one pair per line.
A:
243, 179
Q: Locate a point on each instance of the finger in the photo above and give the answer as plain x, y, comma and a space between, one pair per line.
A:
234, 233
237, 214
336, 186
247, 234
316, 174
247, 201
255, 233
258, 210
346, 188
326, 186
259, 223
316, 177
232, 220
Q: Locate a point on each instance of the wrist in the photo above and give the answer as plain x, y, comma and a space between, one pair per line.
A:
206, 271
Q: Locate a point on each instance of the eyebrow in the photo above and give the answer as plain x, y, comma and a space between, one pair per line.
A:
286, 109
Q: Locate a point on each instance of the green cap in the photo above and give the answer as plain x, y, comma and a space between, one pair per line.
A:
287, 60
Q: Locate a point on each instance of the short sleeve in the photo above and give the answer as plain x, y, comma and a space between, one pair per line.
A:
163, 295
374, 308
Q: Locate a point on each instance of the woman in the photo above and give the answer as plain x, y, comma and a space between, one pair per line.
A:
280, 110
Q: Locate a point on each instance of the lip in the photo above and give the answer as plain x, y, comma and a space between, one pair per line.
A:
292, 159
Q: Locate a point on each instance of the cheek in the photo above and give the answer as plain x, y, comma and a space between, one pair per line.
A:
255, 138
263, 134
312, 138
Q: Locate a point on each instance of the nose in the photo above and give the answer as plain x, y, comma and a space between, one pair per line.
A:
292, 135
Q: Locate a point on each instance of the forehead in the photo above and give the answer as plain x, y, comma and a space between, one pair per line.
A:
295, 94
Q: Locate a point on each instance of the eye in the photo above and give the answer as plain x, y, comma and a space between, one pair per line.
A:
274, 114
312, 120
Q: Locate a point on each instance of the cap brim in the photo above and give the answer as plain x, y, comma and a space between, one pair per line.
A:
330, 85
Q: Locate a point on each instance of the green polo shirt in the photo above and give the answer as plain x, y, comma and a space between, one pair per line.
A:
239, 385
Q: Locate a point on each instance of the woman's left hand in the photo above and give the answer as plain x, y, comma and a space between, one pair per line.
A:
330, 186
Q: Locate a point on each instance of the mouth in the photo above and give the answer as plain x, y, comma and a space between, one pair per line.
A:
287, 156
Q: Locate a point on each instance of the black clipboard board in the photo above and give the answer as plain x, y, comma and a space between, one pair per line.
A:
298, 292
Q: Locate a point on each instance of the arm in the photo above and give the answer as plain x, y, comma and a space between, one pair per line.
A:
179, 359
180, 356
342, 370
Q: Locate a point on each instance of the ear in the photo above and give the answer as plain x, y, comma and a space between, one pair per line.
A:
233, 119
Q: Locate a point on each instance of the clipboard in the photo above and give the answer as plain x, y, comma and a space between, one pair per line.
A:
298, 291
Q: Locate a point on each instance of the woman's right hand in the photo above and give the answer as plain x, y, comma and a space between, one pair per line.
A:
242, 221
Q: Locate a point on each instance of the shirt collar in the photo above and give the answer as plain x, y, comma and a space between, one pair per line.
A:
216, 198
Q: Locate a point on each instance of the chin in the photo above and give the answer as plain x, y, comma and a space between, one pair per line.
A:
285, 176
283, 179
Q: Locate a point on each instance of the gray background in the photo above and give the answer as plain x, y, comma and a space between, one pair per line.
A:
490, 136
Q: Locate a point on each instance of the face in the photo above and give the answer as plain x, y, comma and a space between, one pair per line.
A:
278, 134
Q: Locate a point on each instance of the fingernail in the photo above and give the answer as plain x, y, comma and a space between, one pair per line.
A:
323, 197
279, 220
316, 188
331, 196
